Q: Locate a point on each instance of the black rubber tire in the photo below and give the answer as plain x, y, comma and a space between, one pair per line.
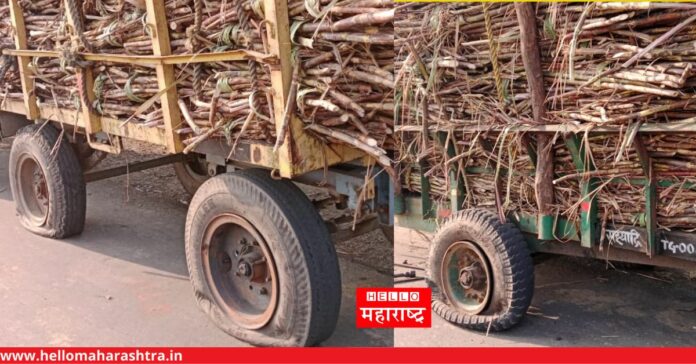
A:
306, 261
510, 265
64, 179
88, 157
190, 180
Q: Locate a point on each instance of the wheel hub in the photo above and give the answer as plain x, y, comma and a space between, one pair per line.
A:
466, 278
240, 271
33, 189
473, 277
244, 269
40, 187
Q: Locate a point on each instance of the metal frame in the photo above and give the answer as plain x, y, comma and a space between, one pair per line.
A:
656, 246
300, 153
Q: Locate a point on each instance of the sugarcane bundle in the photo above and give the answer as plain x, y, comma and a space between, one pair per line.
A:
45, 23
10, 85
447, 79
55, 79
230, 99
117, 26
120, 89
487, 167
618, 64
345, 55
449, 73
346, 79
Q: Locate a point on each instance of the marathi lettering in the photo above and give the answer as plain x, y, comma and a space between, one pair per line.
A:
625, 238
382, 315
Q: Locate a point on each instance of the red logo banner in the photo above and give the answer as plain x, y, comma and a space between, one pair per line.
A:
347, 355
393, 307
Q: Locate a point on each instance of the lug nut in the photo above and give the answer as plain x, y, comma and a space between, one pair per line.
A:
244, 269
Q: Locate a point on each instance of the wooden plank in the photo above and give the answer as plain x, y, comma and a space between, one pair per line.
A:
110, 126
276, 12
234, 55
91, 120
535, 78
593, 128
157, 17
32, 110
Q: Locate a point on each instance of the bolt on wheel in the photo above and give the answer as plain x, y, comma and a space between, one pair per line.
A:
240, 270
466, 277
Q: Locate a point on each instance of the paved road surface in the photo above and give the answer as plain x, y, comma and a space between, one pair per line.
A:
124, 281
577, 302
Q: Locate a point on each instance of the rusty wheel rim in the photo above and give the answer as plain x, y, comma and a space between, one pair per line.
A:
33, 189
240, 271
466, 277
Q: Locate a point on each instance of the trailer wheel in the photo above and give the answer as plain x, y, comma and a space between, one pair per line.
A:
192, 173
481, 272
261, 261
47, 183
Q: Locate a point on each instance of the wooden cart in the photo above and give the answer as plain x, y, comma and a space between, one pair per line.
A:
260, 257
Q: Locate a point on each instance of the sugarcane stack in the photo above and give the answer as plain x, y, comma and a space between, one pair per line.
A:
621, 65
342, 60
10, 86
345, 52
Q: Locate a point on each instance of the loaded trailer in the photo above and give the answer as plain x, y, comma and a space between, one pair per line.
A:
261, 260
510, 150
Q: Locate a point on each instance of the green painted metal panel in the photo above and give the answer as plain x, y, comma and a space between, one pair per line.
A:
545, 227
588, 207
563, 229
413, 218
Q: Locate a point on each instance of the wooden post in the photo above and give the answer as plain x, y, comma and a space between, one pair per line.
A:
276, 12
301, 152
91, 121
20, 29
535, 78
157, 19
